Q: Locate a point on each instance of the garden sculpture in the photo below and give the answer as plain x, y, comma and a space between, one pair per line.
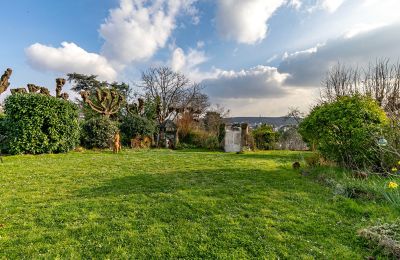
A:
117, 143
105, 101
4, 84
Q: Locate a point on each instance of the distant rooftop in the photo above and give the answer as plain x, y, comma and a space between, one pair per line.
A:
254, 121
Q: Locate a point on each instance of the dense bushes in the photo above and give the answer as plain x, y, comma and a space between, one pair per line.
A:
97, 132
37, 124
199, 139
264, 137
346, 130
133, 125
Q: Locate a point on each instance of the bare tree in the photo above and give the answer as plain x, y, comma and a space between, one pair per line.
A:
173, 94
295, 114
340, 81
380, 81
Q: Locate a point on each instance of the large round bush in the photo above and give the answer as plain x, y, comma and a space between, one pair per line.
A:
97, 132
36, 124
346, 130
134, 125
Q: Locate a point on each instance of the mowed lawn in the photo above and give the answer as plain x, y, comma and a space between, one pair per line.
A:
175, 204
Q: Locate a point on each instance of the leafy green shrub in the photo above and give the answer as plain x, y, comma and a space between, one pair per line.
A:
97, 132
133, 125
314, 160
390, 154
200, 139
2, 132
265, 137
36, 124
345, 131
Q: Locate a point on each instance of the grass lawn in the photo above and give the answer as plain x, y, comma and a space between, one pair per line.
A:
176, 204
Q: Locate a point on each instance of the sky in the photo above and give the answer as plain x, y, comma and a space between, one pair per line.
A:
254, 57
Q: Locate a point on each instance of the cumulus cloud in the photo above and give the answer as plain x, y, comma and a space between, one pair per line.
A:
330, 5
307, 68
133, 32
69, 58
245, 21
187, 63
257, 82
304, 99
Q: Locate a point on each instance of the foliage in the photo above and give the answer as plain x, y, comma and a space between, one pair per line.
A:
160, 204
386, 236
38, 124
265, 137
104, 101
135, 125
200, 139
379, 81
290, 139
390, 153
174, 94
345, 131
90, 83
314, 160
391, 192
97, 132
2, 132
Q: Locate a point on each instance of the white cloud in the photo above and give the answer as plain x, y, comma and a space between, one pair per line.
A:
362, 28
331, 5
69, 58
296, 4
245, 21
308, 68
133, 32
311, 50
257, 82
188, 63
304, 99
136, 30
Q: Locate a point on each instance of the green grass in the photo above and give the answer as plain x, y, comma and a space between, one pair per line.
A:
176, 204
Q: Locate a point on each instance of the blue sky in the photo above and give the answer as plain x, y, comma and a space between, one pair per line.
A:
255, 57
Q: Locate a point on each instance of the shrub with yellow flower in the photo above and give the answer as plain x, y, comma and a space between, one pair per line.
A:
393, 185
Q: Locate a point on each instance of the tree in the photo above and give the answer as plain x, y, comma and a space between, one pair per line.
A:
295, 114
101, 96
90, 83
173, 95
105, 101
379, 81
265, 137
346, 131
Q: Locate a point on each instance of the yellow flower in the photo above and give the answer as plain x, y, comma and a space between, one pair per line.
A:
398, 162
394, 169
393, 185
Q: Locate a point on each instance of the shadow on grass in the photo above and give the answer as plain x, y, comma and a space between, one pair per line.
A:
216, 181
280, 158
